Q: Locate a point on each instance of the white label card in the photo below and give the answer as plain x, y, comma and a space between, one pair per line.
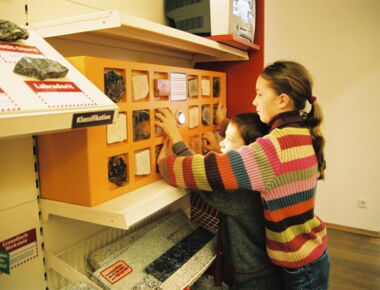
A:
178, 86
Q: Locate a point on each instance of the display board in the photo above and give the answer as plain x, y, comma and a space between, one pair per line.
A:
30, 104
92, 165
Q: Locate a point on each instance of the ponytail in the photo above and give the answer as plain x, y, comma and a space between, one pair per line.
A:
313, 121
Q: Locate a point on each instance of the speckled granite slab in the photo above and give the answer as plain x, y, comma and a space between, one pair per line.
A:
107, 253
170, 261
194, 267
126, 271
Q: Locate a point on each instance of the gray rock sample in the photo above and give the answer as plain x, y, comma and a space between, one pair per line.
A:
40, 68
10, 31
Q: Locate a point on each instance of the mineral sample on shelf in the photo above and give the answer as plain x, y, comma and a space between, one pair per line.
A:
40, 68
10, 31
116, 170
141, 125
216, 87
114, 86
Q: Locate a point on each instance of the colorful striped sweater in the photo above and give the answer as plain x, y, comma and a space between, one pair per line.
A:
283, 167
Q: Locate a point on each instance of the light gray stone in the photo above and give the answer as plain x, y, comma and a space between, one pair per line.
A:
40, 68
10, 31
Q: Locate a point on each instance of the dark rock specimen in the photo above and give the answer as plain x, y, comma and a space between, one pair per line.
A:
114, 86
216, 87
141, 125
40, 68
10, 31
117, 170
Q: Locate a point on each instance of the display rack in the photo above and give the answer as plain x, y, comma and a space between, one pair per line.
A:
112, 28
121, 212
74, 166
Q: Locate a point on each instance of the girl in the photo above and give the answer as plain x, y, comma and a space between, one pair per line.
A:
283, 166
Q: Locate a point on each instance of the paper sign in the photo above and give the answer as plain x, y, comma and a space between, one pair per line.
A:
18, 250
178, 87
60, 94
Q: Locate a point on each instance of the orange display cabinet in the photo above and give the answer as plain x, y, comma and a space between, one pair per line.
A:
75, 165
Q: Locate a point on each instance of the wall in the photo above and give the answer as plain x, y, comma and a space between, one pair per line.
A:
44, 10
338, 41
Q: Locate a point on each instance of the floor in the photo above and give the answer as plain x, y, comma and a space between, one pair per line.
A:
355, 261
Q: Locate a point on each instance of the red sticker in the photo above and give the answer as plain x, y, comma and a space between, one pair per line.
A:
116, 272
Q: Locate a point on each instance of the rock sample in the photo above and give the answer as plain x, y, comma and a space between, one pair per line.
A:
116, 170
170, 261
141, 125
114, 86
10, 31
40, 68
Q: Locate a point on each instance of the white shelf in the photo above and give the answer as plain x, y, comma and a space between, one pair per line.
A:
121, 212
114, 29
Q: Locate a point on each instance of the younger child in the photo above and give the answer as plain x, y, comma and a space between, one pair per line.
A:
242, 221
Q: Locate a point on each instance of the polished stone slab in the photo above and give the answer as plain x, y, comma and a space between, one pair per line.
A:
170, 261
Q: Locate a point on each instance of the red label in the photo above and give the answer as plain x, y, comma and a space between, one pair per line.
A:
48, 87
116, 272
1, 91
19, 241
4, 46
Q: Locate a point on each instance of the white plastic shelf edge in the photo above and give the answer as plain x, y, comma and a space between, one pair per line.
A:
121, 212
114, 26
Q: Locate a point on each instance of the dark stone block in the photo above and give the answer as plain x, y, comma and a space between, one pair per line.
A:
169, 262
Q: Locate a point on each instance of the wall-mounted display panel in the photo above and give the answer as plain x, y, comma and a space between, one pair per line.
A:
93, 165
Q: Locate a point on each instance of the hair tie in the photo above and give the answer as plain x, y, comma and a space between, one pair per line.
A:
312, 99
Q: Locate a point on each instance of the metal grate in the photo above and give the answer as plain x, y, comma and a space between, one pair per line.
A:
174, 4
202, 213
190, 23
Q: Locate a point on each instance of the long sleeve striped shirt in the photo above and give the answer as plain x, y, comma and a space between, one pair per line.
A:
283, 167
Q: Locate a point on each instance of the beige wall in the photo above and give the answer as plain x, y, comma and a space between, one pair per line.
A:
44, 10
338, 40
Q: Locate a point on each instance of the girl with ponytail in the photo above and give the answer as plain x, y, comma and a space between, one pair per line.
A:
283, 166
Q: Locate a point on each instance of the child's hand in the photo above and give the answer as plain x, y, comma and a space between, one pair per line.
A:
165, 119
210, 142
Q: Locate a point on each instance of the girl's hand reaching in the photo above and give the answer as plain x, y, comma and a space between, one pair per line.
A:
165, 120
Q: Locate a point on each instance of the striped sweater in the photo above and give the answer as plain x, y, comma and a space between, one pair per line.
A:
283, 167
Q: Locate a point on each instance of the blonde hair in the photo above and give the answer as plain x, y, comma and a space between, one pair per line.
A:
293, 79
